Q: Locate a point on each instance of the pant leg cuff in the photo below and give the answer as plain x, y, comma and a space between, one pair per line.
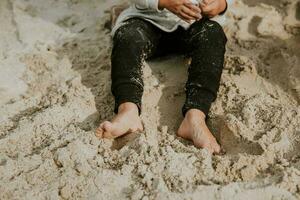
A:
202, 107
121, 101
127, 93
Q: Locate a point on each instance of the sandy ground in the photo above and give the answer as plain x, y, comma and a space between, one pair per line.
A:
55, 90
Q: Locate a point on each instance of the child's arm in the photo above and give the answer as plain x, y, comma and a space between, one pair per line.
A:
184, 9
212, 8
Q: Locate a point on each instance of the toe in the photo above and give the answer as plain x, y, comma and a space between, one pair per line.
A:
222, 151
102, 129
107, 126
216, 148
108, 130
142, 126
206, 146
99, 132
209, 147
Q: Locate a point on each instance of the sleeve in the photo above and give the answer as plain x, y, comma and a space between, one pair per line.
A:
147, 4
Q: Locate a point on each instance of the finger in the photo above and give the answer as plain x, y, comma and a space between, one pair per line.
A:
212, 5
193, 7
191, 14
184, 17
207, 2
196, 11
210, 9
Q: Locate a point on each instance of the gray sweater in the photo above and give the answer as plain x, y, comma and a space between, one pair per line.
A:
148, 10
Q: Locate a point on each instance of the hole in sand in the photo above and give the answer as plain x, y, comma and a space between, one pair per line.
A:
253, 25
120, 142
232, 142
233, 145
253, 3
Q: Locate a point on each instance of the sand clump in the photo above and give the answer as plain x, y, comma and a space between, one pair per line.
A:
55, 90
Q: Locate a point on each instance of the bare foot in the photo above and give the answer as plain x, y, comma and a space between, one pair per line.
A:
195, 129
126, 121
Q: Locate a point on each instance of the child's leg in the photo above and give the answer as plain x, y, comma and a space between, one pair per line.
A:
205, 42
132, 44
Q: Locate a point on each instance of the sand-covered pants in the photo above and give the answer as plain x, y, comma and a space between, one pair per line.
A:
138, 40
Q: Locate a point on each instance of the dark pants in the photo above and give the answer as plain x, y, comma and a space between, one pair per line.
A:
139, 40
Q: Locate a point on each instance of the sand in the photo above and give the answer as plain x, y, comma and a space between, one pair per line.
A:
55, 90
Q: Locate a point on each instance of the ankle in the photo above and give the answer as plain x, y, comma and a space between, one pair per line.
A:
195, 114
128, 107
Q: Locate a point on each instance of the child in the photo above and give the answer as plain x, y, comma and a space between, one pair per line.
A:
151, 28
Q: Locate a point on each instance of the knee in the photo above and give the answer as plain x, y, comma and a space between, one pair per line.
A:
131, 35
214, 29
208, 31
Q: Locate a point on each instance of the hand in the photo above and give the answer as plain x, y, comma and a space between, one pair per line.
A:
212, 8
182, 8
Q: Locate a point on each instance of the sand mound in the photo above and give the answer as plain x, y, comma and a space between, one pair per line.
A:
55, 90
